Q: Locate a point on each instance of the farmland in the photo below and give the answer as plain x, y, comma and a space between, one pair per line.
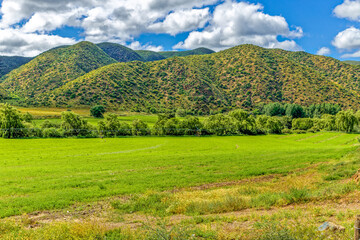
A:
166, 177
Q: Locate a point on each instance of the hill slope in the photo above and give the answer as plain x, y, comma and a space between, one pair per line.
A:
54, 68
7, 64
119, 52
239, 77
149, 56
352, 62
198, 51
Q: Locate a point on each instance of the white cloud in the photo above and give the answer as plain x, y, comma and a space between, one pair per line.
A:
236, 23
349, 9
182, 21
351, 55
15, 42
324, 51
348, 39
122, 21
137, 46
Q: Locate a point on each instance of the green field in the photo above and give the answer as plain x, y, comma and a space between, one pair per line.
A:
40, 174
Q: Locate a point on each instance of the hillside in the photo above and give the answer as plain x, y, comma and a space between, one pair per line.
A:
356, 63
54, 68
149, 56
243, 76
7, 64
119, 52
198, 51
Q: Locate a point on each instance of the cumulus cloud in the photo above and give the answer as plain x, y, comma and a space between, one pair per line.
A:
137, 46
237, 23
350, 9
182, 21
351, 55
348, 39
122, 21
15, 42
324, 51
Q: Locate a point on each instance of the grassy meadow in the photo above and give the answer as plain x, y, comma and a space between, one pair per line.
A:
169, 177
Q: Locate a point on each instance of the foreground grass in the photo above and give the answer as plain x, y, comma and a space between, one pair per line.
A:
44, 174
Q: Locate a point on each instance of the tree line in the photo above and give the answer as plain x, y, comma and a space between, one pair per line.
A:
13, 124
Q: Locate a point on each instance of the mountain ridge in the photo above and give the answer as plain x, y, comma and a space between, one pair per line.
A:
239, 77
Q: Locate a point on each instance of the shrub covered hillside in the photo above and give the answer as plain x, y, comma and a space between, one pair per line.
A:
54, 68
120, 53
241, 77
149, 56
198, 51
7, 64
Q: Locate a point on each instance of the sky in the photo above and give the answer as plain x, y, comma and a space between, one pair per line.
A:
324, 27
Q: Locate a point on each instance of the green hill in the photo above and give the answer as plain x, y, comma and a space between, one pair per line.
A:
198, 51
120, 53
243, 76
150, 56
54, 68
7, 64
356, 63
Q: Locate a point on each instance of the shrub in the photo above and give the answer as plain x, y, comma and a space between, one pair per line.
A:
48, 124
11, 124
97, 111
53, 133
139, 128
74, 125
346, 120
220, 125
302, 124
190, 125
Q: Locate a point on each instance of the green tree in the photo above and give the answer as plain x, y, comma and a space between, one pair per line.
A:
191, 125
97, 111
139, 128
220, 125
294, 111
274, 109
302, 123
111, 126
172, 127
74, 125
274, 125
11, 124
245, 123
346, 121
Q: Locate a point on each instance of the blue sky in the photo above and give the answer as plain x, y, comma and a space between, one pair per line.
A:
28, 27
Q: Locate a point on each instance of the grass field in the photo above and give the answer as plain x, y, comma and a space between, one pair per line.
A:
165, 176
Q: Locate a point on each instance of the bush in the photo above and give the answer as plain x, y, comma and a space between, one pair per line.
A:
74, 125
112, 127
97, 111
302, 124
191, 125
53, 133
181, 112
48, 124
139, 128
244, 122
220, 125
274, 125
11, 124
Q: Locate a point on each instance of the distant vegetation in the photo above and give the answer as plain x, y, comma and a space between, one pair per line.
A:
198, 51
120, 53
356, 63
241, 77
54, 68
272, 119
149, 56
7, 64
